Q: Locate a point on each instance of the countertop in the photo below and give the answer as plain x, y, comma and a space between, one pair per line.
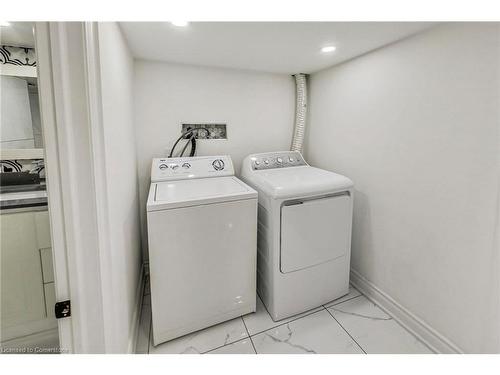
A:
22, 199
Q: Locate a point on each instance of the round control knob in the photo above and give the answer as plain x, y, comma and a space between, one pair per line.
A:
279, 160
290, 159
218, 164
174, 166
266, 161
163, 167
186, 165
257, 162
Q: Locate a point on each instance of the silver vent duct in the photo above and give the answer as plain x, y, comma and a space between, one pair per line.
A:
300, 112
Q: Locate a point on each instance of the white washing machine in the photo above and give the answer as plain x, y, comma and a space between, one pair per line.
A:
202, 232
304, 232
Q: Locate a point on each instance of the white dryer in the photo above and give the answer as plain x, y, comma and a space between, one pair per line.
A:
304, 232
202, 225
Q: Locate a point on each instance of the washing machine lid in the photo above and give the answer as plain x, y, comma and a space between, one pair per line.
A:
298, 181
185, 193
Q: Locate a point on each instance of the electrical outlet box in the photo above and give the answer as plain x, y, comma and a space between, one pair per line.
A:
207, 131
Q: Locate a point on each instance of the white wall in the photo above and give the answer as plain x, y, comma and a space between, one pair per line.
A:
258, 109
117, 70
416, 126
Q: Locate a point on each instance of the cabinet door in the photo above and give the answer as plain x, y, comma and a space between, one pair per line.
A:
47, 268
22, 286
314, 232
50, 299
42, 226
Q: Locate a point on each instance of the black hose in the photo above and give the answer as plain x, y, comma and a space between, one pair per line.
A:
183, 135
190, 140
193, 147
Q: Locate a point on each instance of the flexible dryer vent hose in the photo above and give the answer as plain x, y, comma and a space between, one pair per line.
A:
300, 112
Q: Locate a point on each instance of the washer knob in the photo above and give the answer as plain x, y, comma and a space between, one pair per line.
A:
279, 160
186, 165
163, 167
290, 159
218, 164
266, 161
174, 166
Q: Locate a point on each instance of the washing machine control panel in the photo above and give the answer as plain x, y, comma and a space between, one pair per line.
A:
274, 160
166, 169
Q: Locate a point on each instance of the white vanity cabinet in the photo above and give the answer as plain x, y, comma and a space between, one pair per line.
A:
27, 279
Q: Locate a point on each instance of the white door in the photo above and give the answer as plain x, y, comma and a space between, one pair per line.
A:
314, 231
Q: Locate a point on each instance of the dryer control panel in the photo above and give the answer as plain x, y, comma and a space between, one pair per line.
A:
281, 159
166, 169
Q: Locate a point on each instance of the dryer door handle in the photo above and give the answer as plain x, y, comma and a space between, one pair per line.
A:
293, 203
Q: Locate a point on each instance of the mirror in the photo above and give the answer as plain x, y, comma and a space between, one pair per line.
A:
20, 117
20, 126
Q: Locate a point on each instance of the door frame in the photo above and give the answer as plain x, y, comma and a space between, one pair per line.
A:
54, 182
74, 182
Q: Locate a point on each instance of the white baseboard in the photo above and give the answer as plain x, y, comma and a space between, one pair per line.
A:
428, 335
132, 341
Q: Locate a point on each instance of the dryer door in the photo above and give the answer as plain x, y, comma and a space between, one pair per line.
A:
314, 231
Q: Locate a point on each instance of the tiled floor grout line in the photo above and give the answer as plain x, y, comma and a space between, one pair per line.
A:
218, 347
303, 316
385, 311
253, 345
400, 324
282, 324
244, 338
273, 327
341, 302
341, 326
250, 337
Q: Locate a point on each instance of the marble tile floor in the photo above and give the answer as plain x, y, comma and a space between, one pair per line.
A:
351, 324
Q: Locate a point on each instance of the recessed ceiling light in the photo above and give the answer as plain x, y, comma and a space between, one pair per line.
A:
328, 49
180, 23
4, 23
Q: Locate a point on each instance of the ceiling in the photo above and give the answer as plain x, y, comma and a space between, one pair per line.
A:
277, 47
18, 34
